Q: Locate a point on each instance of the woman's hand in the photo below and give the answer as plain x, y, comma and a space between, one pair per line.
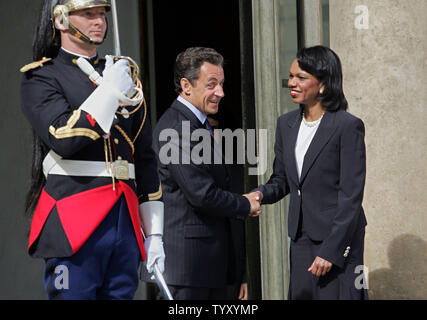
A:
255, 201
320, 267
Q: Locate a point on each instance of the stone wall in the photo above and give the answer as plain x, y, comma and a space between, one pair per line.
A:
382, 47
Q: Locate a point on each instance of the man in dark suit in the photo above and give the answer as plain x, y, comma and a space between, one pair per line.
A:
197, 237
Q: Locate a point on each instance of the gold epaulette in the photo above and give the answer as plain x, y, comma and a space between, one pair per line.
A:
34, 65
95, 62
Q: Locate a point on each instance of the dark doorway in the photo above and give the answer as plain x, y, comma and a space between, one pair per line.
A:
192, 23
226, 26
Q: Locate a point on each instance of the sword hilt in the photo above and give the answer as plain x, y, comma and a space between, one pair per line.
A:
158, 276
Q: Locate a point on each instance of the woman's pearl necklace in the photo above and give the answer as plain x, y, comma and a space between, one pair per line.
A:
311, 124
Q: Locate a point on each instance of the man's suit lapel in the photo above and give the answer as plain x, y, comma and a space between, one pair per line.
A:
187, 113
194, 120
322, 136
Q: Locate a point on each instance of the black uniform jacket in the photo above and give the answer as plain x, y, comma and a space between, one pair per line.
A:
71, 207
197, 238
328, 196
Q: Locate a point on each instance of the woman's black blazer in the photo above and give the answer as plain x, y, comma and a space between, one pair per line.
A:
329, 193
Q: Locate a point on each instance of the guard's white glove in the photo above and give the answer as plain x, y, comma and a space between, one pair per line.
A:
155, 253
117, 74
103, 103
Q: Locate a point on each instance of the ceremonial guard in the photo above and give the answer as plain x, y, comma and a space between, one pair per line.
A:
94, 173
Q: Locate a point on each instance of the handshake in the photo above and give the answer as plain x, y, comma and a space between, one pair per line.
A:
255, 199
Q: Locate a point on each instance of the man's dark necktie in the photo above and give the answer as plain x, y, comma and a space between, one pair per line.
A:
208, 126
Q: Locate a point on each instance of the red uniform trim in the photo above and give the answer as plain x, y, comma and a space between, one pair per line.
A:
44, 207
133, 206
91, 120
82, 213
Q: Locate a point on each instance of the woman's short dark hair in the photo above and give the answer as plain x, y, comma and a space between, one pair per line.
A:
188, 63
325, 65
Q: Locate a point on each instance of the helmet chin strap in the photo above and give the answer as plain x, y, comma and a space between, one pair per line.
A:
80, 35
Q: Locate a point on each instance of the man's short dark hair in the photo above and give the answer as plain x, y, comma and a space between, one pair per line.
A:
188, 63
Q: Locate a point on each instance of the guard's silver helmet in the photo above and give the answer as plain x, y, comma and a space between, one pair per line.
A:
62, 8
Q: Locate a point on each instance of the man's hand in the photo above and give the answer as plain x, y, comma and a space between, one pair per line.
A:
320, 267
255, 201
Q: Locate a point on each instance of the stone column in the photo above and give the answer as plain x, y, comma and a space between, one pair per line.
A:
273, 226
311, 26
382, 47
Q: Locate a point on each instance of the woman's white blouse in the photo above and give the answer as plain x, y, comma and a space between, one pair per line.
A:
306, 132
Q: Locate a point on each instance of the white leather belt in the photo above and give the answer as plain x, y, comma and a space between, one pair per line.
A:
54, 164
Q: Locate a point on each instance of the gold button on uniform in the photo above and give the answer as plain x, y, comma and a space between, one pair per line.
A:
116, 141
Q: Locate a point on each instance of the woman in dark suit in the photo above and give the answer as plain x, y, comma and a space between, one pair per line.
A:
320, 161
